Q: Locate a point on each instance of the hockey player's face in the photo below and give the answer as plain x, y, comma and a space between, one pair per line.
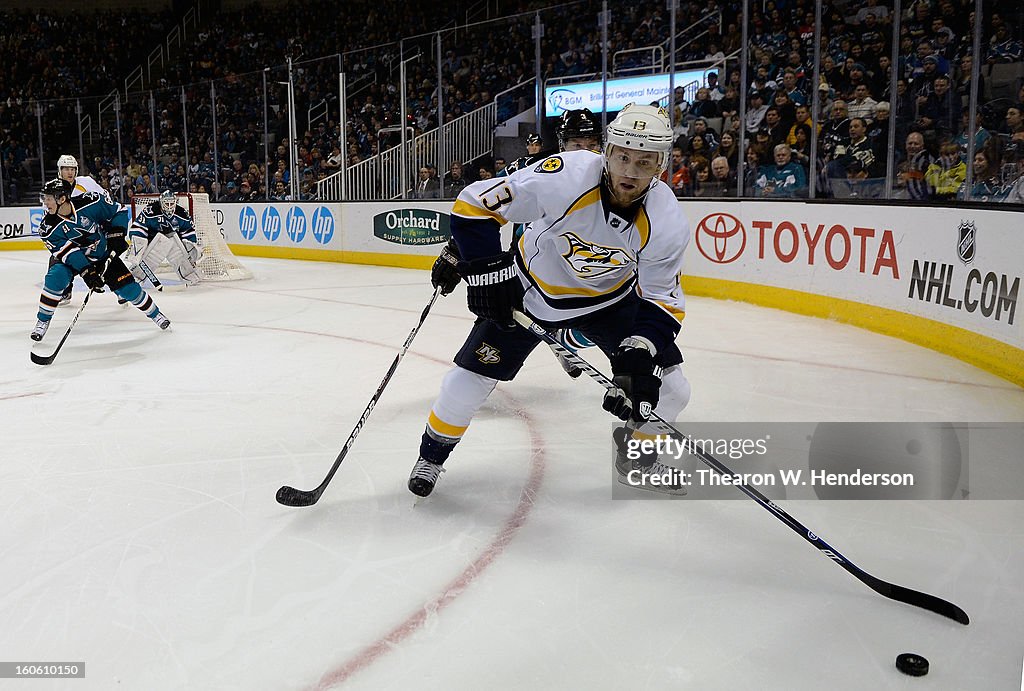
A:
49, 203
582, 144
68, 174
630, 172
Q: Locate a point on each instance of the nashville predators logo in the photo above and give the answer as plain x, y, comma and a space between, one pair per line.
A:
593, 261
550, 165
488, 354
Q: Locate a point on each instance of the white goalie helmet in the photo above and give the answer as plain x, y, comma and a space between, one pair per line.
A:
67, 161
168, 202
641, 128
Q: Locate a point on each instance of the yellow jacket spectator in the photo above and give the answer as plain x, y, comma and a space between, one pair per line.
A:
947, 174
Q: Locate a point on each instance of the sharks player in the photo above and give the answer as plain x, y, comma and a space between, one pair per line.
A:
601, 253
577, 130
164, 230
72, 230
67, 170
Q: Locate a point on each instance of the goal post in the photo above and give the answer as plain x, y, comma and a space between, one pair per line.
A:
216, 261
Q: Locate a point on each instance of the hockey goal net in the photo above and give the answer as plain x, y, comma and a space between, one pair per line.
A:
216, 261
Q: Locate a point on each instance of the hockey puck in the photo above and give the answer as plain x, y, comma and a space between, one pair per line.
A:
913, 664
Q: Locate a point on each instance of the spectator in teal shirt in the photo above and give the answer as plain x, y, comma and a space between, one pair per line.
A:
785, 179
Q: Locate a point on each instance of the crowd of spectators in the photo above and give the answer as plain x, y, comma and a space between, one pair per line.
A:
928, 113
215, 143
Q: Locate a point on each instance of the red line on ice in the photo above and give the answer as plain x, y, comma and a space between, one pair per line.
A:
455, 588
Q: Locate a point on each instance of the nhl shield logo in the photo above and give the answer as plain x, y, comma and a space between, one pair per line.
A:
965, 241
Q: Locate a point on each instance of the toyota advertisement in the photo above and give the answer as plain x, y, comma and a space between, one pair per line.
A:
955, 266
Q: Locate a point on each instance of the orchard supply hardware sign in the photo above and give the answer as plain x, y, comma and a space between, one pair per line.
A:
961, 267
412, 227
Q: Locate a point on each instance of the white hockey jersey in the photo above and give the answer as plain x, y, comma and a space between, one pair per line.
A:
84, 183
577, 254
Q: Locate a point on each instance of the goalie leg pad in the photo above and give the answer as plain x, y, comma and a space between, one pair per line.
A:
183, 259
117, 275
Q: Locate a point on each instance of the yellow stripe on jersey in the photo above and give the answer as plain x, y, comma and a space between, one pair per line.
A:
674, 311
466, 209
591, 197
643, 227
443, 428
79, 188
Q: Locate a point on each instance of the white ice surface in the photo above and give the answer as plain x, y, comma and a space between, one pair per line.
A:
139, 531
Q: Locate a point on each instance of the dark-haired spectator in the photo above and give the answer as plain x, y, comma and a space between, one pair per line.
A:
755, 112
988, 184
940, 111
678, 171
729, 149
700, 126
981, 135
1003, 47
777, 130
701, 187
862, 105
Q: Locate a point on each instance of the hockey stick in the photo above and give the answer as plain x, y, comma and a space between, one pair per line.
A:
289, 496
47, 359
889, 590
151, 275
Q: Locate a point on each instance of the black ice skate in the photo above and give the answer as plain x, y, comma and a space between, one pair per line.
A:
424, 476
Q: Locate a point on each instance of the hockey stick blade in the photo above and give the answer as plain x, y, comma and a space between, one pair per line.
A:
48, 359
151, 276
661, 426
289, 496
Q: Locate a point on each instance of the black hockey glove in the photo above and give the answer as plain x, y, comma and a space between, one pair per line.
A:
93, 277
445, 272
636, 395
116, 242
493, 288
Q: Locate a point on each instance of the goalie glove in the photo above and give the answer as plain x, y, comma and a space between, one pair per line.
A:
637, 386
445, 273
494, 289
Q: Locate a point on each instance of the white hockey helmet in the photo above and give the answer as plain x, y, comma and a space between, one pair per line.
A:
168, 202
641, 128
67, 161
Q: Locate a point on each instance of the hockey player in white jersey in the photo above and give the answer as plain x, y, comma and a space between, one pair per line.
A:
67, 170
601, 253
576, 130
163, 230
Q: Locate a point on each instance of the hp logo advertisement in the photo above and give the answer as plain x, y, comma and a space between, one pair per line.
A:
247, 222
296, 224
323, 225
271, 224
